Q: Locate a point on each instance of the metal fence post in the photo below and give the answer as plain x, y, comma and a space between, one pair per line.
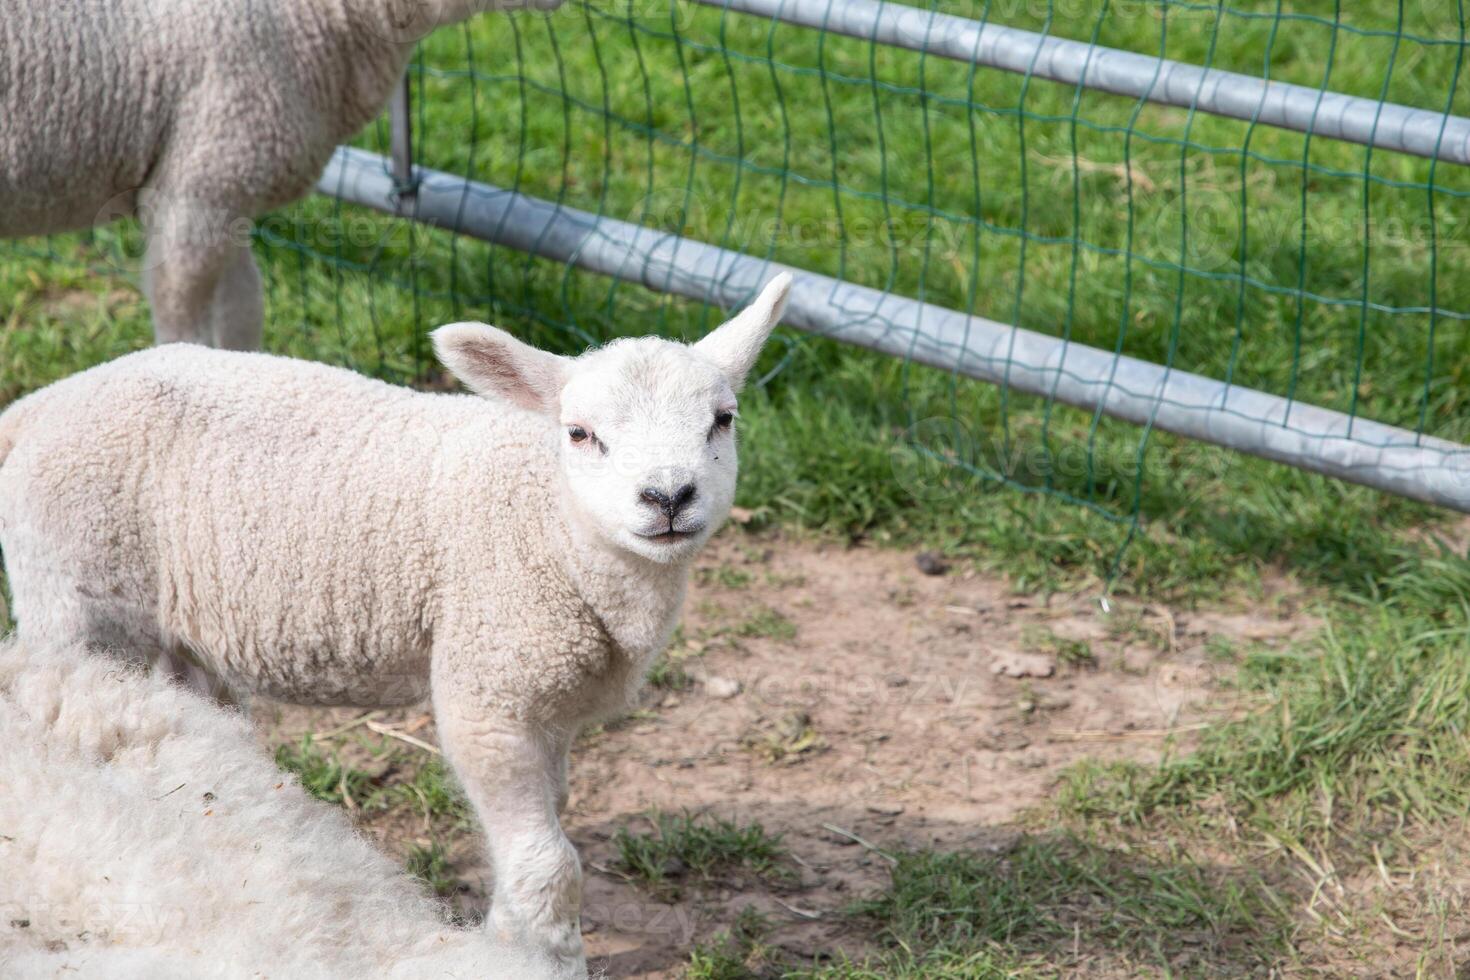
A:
400, 130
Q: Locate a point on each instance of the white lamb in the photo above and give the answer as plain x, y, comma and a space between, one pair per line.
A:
144, 833
195, 116
320, 537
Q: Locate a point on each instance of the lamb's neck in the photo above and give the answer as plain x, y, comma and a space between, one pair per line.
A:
637, 600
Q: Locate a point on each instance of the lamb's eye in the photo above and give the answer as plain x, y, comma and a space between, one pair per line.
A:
723, 420
577, 433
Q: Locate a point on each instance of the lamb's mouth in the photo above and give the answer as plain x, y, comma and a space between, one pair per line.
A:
673, 535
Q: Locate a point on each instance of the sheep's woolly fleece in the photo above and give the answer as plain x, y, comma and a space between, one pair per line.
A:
193, 116
144, 833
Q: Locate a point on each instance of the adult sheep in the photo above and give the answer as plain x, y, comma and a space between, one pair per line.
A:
320, 537
195, 117
147, 835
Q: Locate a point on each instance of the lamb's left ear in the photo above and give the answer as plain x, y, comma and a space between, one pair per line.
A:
491, 362
733, 346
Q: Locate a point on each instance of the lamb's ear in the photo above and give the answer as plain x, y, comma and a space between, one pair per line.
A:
734, 345
492, 362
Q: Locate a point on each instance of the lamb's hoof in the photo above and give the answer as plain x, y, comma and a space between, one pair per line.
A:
489, 956
557, 955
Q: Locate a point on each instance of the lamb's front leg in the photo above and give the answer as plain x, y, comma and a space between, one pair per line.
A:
510, 772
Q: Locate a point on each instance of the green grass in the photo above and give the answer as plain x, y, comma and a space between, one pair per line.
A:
435, 794
766, 623
737, 954
1360, 728
668, 674
1068, 652
430, 864
938, 964
725, 576
746, 621
1050, 905
720, 960
322, 773
685, 844
1052, 898
909, 174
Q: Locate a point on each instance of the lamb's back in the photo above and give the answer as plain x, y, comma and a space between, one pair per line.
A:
286, 518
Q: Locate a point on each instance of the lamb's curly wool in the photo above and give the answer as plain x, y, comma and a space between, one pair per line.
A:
321, 537
312, 531
147, 835
195, 116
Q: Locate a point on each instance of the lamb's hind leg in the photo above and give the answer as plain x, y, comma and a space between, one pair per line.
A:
237, 309
53, 609
198, 273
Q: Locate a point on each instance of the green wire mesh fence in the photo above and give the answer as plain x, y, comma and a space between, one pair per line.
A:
1248, 193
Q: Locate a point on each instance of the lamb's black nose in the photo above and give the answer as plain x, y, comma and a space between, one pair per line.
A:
670, 505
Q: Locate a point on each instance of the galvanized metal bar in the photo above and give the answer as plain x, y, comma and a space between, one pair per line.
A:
400, 135
1317, 439
1222, 93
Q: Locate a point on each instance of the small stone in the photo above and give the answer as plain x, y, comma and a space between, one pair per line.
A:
721, 687
931, 563
886, 809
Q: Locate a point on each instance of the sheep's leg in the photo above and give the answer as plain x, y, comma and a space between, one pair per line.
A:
511, 776
188, 261
237, 309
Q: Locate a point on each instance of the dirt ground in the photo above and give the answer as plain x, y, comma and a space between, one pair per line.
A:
854, 702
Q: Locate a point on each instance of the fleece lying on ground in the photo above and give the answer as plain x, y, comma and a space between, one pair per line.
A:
194, 117
320, 537
144, 833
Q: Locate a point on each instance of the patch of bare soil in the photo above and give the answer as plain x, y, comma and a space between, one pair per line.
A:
854, 702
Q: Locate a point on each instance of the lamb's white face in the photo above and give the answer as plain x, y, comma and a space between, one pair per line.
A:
648, 445
646, 427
